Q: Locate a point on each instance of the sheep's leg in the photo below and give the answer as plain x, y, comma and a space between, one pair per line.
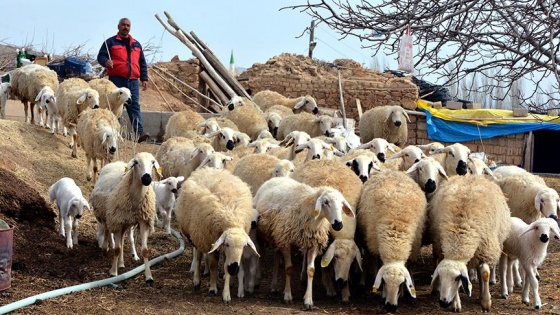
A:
62, 223
308, 298
485, 297
144, 231
68, 227
195, 267
116, 253
3, 110
75, 231
240, 280
40, 116
53, 126
32, 112
88, 167
287, 253
303, 274
102, 237
95, 169
26, 111
253, 267
517, 277
326, 277
275, 267
226, 296
345, 293
168, 221
133, 245
510, 274
206, 265
504, 275
534, 283
525, 292
121, 254
456, 304
75, 141
213, 265
493, 275
473, 276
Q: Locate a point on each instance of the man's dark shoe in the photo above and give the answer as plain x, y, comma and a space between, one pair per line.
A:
144, 137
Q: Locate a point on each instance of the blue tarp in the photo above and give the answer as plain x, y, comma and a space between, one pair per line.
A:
454, 131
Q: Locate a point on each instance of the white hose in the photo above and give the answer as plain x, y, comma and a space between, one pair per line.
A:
100, 283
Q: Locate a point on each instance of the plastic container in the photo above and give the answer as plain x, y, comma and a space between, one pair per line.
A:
6, 252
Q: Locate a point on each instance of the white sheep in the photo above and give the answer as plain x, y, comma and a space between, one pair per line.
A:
274, 116
110, 96
180, 157
527, 243
387, 122
181, 122
469, 221
430, 148
267, 98
248, 119
509, 170
165, 191
342, 251
404, 159
453, 158
214, 211
28, 81
47, 101
529, 198
217, 160
313, 125
123, 198
380, 147
303, 222
216, 123
223, 139
288, 146
391, 215
73, 97
5, 90
362, 162
71, 204
283, 168
317, 149
478, 167
98, 132
427, 173
255, 169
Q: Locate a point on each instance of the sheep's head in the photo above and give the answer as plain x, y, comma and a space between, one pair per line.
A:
325, 122
315, 149
362, 165
284, 168
410, 155
542, 229
265, 134
262, 145
122, 95
142, 165
397, 116
331, 204
172, 183
225, 137
449, 276
427, 173
210, 125
88, 98
109, 141
456, 158
232, 242
391, 277
296, 138
476, 166
431, 148
45, 96
341, 253
76, 207
235, 101
380, 147
215, 160
308, 104
340, 143
547, 202
273, 120
241, 139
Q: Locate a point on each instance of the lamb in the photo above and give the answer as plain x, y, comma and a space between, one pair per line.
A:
47, 100
165, 191
380, 147
5, 90
73, 97
99, 135
123, 198
28, 81
248, 119
334, 174
283, 168
527, 243
285, 222
529, 198
181, 122
267, 98
391, 215
470, 220
214, 209
387, 122
71, 204
110, 96
313, 125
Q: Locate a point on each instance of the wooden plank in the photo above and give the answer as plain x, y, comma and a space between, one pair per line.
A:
359, 107
214, 87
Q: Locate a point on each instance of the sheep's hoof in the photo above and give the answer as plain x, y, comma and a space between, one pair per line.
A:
205, 274
538, 307
257, 286
505, 296
492, 282
196, 287
212, 292
308, 306
74, 155
525, 302
150, 282
88, 178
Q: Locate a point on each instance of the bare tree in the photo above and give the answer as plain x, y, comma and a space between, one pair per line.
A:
520, 38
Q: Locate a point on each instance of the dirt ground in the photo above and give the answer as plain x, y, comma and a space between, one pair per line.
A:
41, 261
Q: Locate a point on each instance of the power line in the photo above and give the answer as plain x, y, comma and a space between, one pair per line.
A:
343, 43
331, 47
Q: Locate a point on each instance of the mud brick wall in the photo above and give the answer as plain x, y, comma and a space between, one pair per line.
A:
506, 149
186, 71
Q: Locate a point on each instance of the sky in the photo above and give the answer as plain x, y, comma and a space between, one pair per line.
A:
254, 29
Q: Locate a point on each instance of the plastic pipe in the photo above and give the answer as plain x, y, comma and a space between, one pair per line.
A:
90, 285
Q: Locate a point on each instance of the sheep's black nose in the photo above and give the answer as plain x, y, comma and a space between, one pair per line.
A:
444, 304
341, 283
231, 107
337, 225
253, 225
553, 216
174, 190
461, 168
544, 238
316, 157
315, 110
390, 308
230, 145
381, 157
95, 106
430, 186
146, 179
112, 150
398, 123
417, 160
78, 216
363, 178
128, 101
233, 269
327, 133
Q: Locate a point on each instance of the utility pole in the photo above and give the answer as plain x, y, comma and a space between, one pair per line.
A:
312, 42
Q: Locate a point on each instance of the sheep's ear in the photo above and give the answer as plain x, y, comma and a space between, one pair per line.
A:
202, 124
316, 120
555, 230
287, 141
347, 209
39, 96
405, 115
87, 205
180, 179
105, 136
396, 155
441, 172
130, 164
434, 277
489, 172
527, 230
300, 147
218, 243
328, 256
81, 99
252, 247
318, 207
388, 113
393, 148
409, 284
467, 286
212, 134
378, 283
349, 163
364, 146
158, 168
412, 169
204, 162
359, 258
300, 103
538, 202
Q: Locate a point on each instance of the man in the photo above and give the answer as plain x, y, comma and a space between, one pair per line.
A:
124, 59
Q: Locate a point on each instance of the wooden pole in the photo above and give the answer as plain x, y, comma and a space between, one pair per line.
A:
213, 87
312, 42
161, 94
342, 109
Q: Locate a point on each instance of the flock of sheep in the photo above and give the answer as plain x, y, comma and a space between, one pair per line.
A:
273, 173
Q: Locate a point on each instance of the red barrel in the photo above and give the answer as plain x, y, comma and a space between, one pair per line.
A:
6, 251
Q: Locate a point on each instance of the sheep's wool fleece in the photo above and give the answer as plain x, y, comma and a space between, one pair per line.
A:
247, 119
392, 213
374, 124
470, 218
210, 202
26, 84
182, 121
291, 223
91, 126
255, 169
520, 191
300, 122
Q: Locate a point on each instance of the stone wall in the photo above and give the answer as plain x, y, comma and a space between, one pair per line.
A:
506, 149
186, 71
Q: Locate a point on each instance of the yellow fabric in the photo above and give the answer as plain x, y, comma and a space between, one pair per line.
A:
483, 116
